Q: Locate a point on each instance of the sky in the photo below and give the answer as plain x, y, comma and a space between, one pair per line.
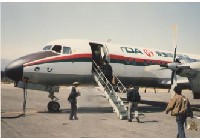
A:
27, 27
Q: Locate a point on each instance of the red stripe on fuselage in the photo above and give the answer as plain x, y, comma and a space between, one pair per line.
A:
118, 57
88, 55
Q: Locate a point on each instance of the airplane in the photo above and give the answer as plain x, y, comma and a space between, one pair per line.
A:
64, 61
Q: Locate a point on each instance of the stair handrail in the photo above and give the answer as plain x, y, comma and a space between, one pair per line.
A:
124, 90
103, 78
112, 94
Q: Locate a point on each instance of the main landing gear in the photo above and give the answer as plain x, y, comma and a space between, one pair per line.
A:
53, 105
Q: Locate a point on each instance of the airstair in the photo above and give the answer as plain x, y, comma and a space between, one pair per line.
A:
109, 91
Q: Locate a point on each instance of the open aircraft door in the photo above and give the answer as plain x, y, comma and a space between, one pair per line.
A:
99, 53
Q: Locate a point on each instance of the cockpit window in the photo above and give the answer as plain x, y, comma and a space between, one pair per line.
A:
67, 50
57, 48
47, 47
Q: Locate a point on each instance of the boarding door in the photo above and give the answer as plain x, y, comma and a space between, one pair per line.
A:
98, 54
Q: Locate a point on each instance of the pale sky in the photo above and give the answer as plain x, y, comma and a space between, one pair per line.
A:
27, 27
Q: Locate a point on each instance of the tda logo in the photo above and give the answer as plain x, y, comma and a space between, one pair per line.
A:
148, 52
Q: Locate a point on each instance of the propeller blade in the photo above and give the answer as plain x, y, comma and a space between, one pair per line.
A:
172, 77
173, 83
174, 28
176, 62
174, 58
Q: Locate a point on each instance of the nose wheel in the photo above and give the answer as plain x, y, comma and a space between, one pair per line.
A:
53, 106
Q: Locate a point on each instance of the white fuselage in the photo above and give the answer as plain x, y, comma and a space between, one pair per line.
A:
128, 63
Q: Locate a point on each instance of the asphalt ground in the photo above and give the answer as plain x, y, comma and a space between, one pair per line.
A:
96, 117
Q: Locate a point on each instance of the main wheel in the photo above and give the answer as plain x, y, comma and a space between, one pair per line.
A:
53, 106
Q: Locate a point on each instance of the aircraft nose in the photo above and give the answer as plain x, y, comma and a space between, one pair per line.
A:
14, 70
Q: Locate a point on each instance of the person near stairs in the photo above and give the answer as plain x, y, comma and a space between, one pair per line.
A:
133, 97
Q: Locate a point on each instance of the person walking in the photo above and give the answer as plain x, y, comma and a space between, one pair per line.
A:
72, 98
133, 97
180, 107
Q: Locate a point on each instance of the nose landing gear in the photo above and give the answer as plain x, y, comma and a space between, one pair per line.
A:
53, 105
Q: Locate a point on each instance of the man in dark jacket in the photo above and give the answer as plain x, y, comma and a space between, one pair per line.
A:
133, 97
179, 106
72, 99
107, 71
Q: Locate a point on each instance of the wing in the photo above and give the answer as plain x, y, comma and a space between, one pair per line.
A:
192, 72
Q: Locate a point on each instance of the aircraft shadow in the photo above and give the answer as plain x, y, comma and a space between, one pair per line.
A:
93, 110
152, 106
153, 121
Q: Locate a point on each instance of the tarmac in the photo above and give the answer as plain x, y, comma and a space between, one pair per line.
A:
96, 117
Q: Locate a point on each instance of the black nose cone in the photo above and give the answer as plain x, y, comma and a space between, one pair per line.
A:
14, 70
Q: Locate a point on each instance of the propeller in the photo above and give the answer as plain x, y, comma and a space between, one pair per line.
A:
173, 75
175, 62
173, 66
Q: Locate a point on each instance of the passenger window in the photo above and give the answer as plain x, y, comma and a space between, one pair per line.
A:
57, 48
47, 47
67, 50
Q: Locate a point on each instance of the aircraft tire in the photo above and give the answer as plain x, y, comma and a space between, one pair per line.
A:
53, 106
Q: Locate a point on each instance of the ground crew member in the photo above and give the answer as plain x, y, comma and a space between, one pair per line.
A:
133, 97
72, 99
179, 106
